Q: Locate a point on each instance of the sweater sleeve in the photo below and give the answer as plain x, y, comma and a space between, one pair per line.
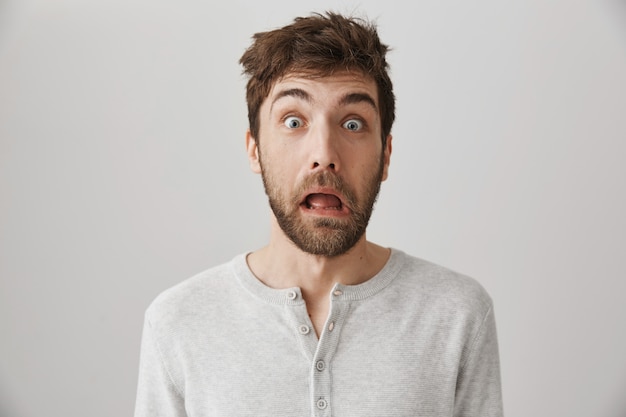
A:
157, 395
478, 390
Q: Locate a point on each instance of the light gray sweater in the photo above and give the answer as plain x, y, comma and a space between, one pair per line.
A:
415, 340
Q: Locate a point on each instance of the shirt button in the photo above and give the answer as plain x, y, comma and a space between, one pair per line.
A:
292, 295
320, 365
337, 292
321, 404
304, 329
331, 326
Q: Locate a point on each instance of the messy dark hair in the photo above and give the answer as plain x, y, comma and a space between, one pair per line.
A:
317, 45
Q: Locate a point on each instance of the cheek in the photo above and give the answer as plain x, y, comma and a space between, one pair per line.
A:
286, 161
367, 163
279, 171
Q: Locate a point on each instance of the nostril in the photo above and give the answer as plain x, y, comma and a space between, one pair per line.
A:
317, 165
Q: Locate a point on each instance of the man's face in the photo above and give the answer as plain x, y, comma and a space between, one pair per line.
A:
321, 157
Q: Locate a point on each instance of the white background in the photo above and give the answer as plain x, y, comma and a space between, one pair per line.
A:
123, 172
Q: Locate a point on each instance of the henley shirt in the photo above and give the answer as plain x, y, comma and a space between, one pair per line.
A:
415, 340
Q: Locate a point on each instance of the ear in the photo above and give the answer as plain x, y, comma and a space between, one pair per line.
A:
387, 157
253, 153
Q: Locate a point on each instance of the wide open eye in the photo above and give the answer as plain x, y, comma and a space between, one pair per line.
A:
353, 125
293, 122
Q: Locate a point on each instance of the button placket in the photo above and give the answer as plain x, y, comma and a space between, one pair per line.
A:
299, 322
321, 366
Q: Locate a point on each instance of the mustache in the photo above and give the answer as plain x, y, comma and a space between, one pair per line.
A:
325, 179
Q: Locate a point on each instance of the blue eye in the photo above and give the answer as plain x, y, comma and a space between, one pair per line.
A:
353, 125
293, 122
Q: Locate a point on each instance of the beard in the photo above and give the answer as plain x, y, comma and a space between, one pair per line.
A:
324, 236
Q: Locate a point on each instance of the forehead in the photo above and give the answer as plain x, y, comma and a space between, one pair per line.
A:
329, 89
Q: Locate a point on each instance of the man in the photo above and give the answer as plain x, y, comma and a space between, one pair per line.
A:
320, 322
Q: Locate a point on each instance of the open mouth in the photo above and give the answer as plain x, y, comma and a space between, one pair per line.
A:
321, 201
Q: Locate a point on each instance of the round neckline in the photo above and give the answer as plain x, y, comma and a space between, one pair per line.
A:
293, 295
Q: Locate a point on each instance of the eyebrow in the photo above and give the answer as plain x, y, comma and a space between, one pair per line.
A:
292, 92
354, 98
350, 98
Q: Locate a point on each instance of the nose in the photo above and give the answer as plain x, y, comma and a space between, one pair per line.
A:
323, 152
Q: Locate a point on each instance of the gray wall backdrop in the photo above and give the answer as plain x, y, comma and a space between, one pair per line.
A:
123, 172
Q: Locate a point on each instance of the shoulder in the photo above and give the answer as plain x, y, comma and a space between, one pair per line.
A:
442, 286
205, 290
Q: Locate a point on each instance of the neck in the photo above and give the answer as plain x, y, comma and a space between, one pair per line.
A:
281, 264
